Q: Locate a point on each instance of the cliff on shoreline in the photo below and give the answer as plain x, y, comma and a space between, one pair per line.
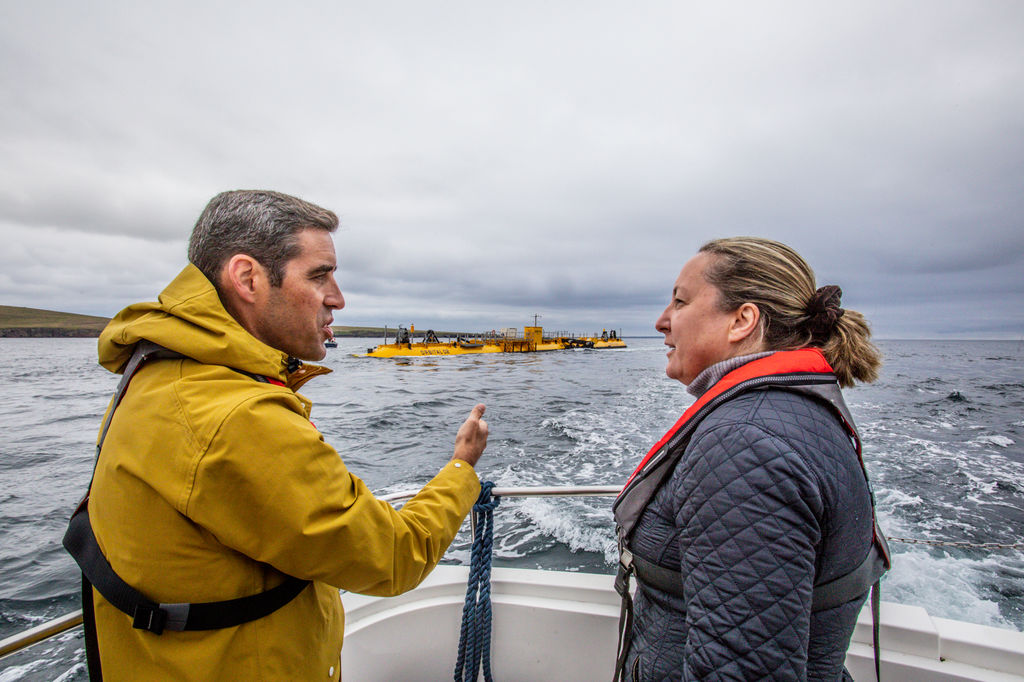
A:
18, 322
47, 332
34, 323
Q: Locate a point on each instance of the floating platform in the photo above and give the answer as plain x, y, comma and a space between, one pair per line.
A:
532, 340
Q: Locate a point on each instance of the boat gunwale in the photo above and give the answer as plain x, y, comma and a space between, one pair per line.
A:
921, 642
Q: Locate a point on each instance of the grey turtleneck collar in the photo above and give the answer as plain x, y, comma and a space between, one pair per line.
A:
710, 376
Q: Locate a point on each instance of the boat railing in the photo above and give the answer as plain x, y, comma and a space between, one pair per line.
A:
56, 626
50, 628
529, 491
535, 491
68, 621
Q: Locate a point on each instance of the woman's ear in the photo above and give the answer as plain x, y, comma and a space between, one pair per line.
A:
746, 325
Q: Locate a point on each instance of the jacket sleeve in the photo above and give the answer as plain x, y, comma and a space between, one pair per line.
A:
748, 524
268, 486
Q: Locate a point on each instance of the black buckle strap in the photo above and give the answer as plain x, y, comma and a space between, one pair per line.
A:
650, 574
151, 618
159, 617
622, 579
624, 573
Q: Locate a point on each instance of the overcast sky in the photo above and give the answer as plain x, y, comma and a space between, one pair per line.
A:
490, 160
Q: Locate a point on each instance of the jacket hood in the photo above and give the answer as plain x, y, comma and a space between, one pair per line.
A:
189, 318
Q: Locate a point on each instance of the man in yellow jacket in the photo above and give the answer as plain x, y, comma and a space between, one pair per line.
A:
212, 484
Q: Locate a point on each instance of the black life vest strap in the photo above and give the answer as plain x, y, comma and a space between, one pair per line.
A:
825, 596
625, 613
92, 648
650, 574
851, 585
876, 621
80, 542
144, 351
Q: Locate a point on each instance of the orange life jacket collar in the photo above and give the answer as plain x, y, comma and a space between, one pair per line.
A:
804, 361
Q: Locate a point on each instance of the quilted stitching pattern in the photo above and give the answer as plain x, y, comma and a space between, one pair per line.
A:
767, 496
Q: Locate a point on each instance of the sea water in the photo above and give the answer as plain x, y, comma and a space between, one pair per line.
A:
943, 437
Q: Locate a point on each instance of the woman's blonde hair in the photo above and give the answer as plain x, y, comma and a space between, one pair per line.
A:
794, 313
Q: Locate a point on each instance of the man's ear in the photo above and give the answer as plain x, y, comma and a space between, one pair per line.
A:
242, 276
746, 323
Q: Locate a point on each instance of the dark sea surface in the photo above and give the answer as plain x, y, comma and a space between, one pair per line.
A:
943, 432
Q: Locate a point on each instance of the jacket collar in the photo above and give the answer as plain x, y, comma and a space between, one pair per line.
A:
803, 361
189, 318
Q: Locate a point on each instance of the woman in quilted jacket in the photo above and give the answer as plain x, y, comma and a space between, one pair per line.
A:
757, 496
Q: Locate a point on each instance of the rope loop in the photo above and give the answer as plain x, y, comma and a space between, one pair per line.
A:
475, 633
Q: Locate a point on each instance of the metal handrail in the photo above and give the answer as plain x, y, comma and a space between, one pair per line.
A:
56, 626
39, 633
64, 623
537, 491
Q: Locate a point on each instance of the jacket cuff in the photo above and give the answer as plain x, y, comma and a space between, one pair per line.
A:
464, 476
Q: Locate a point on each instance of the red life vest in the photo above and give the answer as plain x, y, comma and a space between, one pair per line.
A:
782, 362
804, 371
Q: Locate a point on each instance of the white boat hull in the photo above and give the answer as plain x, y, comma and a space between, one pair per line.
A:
552, 625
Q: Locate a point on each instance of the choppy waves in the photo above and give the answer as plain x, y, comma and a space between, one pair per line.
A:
943, 438
943, 445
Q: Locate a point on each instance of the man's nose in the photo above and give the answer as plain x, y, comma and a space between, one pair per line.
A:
334, 298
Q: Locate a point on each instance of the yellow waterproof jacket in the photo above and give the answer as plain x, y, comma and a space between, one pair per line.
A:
213, 486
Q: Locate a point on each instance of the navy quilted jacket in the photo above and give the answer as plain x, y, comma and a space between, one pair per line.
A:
768, 499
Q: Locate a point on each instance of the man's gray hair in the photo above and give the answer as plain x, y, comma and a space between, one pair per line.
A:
258, 223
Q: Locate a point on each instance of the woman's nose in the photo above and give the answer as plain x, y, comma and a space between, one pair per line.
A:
661, 324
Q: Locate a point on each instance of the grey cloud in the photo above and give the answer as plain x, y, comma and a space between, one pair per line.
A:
493, 161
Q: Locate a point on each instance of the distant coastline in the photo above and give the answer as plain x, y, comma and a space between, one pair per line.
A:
35, 323
18, 322
47, 333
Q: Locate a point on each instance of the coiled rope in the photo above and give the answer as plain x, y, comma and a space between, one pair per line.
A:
475, 635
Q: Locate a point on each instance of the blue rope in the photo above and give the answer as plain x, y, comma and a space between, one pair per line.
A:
475, 635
